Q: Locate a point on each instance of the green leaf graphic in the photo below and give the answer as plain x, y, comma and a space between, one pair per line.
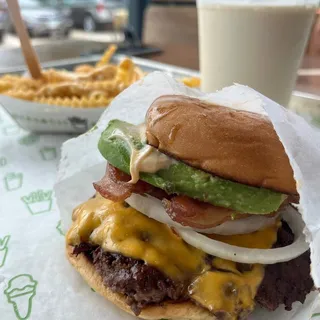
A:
59, 228
316, 315
4, 250
20, 292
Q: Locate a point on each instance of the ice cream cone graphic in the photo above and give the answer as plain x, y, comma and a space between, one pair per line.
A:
20, 292
3, 250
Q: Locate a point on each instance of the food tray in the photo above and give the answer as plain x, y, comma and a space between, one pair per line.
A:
38, 117
45, 118
145, 64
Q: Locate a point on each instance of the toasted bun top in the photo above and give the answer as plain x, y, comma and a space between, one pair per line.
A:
237, 145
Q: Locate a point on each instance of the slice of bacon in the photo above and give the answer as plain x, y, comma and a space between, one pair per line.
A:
115, 185
196, 214
189, 212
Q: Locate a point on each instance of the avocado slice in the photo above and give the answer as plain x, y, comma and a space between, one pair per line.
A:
118, 140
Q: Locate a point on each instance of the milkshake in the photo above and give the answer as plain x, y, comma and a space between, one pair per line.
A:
259, 45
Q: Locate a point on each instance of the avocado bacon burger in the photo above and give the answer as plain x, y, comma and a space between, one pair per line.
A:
195, 217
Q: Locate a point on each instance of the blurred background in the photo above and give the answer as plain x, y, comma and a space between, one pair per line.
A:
164, 30
62, 19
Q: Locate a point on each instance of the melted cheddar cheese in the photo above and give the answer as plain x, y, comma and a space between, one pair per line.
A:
227, 291
219, 287
261, 239
121, 229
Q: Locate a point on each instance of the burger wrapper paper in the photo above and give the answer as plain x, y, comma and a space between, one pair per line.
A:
82, 163
36, 280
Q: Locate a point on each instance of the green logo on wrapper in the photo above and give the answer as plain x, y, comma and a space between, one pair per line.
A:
11, 130
39, 201
13, 181
48, 153
20, 292
29, 139
59, 228
3, 161
4, 250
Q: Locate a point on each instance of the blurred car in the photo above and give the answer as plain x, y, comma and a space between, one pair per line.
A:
43, 19
93, 15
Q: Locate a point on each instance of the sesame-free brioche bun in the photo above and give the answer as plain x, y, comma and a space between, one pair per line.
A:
176, 311
237, 145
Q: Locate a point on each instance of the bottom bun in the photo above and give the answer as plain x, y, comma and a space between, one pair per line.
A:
176, 311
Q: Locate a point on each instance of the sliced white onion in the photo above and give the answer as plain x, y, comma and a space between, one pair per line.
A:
154, 209
241, 226
245, 255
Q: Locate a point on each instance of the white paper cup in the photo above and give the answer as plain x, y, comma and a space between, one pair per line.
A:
255, 43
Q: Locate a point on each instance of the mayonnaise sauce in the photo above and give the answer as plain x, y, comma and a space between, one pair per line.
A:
147, 159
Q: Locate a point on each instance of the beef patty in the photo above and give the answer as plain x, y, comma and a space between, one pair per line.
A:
143, 285
285, 282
